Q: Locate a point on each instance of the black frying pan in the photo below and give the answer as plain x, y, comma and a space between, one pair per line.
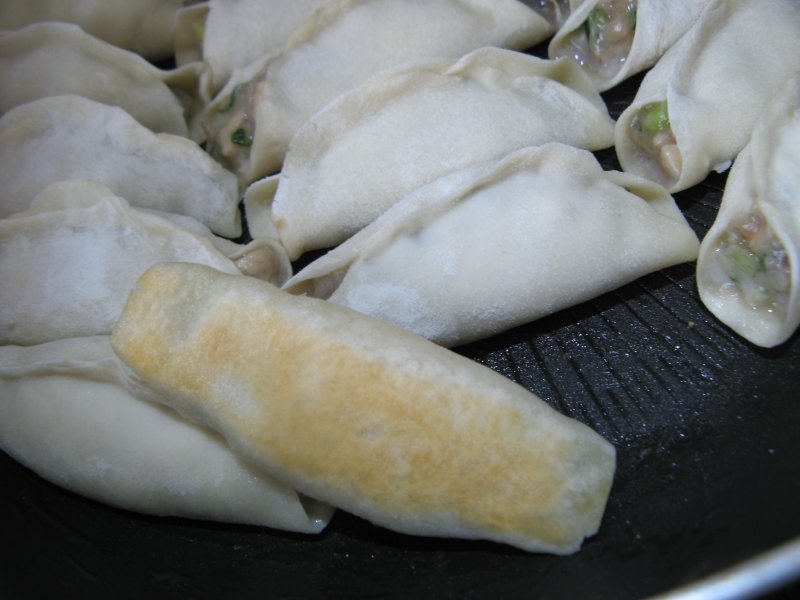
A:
705, 424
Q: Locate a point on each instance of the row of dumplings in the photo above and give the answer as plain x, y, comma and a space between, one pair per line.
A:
418, 140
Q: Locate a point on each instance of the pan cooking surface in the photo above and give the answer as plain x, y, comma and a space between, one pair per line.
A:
705, 425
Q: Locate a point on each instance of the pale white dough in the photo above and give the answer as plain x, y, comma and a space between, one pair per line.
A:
228, 34
406, 127
501, 244
765, 178
341, 45
71, 137
716, 80
69, 261
51, 58
142, 26
67, 412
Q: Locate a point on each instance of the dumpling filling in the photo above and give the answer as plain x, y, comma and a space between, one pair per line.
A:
650, 130
230, 129
554, 11
604, 41
750, 262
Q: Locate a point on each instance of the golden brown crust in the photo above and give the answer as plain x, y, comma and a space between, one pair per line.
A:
364, 415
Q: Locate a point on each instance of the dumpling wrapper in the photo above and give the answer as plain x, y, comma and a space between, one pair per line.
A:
68, 263
364, 415
748, 271
405, 127
65, 413
145, 27
644, 37
71, 137
49, 59
256, 114
502, 244
716, 82
229, 34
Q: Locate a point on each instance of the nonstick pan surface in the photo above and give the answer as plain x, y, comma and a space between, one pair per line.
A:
705, 425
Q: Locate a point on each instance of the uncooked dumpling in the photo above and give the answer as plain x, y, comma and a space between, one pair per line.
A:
66, 413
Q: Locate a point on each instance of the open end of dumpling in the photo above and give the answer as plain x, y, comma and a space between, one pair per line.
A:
750, 263
604, 40
554, 12
651, 132
230, 126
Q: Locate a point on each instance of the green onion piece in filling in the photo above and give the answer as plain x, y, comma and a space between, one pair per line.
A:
654, 117
594, 22
744, 263
231, 100
199, 32
240, 138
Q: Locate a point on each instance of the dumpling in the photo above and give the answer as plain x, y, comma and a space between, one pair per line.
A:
501, 244
748, 272
363, 415
228, 34
253, 118
68, 263
615, 39
142, 26
405, 127
71, 137
66, 413
696, 108
48, 59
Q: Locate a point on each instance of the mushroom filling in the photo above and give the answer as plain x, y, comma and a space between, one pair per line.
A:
650, 130
604, 41
554, 11
751, 263
230, 129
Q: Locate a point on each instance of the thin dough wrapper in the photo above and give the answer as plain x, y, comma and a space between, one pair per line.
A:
563, 230
253, 118
748, 272
106, 444
145, 27
68, 263
615, 39
229, 34
363, 415
49, 59
696, 108
406, 127
71, 137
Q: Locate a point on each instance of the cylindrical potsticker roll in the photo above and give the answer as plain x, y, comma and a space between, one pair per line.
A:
68, 413
363, 415
615, 39
748, 271
256, 114
695, 110
478, 252
405, 127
